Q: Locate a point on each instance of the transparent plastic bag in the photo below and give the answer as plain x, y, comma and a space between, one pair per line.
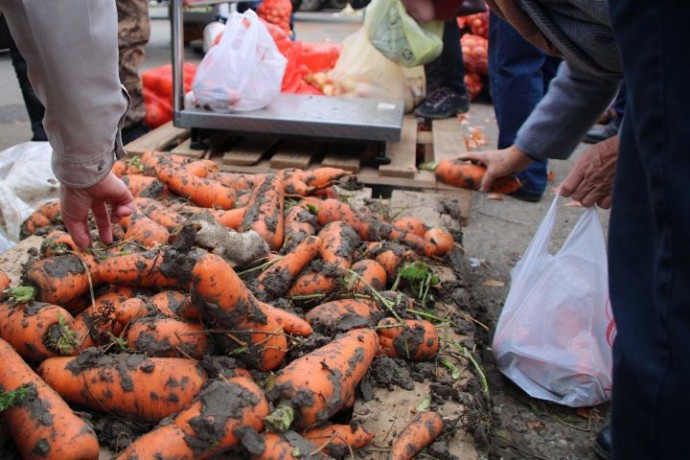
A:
399, 37
244, 71
554, 334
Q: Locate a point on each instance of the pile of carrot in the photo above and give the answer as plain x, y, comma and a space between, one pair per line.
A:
127, 329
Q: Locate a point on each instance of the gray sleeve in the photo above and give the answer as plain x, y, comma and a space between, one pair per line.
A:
572, 104
72, 58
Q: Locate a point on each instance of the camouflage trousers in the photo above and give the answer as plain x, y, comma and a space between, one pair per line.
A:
134, 31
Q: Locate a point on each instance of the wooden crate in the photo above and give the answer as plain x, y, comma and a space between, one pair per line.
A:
419, 143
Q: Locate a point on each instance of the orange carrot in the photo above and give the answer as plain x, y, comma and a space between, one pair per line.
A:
224, 300
141, 229
171, 337
424, 428
324, 176
274, 281
4, 280
442, 239
213, 423
57, 242
37, 330
207, 193
132, 309
339, 440
317, 385
50, 209
174, 304
239, 181
469, 175
410, 224
293, 184
338, 243
145, 186
160, 213
314, 282
390, 255
129, 166
61, 278
42, 425
299, 224
290, 322
414, 241
288, 446
125, 384
36, 221
264, 212
231, 218
152, 159
201, 167
371, 276
344, 312
415, 339
154, 268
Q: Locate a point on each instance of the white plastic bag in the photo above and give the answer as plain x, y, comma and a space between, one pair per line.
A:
400, 37
553, 337
243, 72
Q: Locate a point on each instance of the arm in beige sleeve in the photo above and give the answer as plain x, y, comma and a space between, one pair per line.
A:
72, 57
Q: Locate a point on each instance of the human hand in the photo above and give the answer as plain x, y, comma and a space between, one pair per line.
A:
590, 181
499, 163
75, 204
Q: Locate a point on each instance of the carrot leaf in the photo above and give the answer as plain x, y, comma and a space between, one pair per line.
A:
22, 294
10, 398
281, 418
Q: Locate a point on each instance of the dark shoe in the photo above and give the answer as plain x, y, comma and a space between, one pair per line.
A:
133, 132
523, 195
599, 134
443, 103
602, 444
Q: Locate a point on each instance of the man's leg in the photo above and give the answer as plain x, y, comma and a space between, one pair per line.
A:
649, 236
34, 107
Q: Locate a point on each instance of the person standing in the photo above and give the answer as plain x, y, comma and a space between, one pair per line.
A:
519, 76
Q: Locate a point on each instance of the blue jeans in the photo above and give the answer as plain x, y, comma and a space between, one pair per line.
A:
649, 235
519, 75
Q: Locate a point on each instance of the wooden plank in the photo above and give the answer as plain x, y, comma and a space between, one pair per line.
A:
447, 209
185, 149
158, 139
449, 138
345, 156
294, 154
403, 153
249, 151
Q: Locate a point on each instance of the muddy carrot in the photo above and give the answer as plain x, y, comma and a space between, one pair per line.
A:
50, 209
57, 242
152, 159
155, 268
225, 301
125, 384
37, 330
239, 181
418, 243
299, 224
129, 166
145, 186
293, 185
175, 304
274, 281
160, 213
338, 243
265, 211
469, 175
390, 255
415, 340
359, 312
168, 337
231, 218
4, 280
42, 425
315, 386
288, 446
132, 309
62, 278
424, 428
207, 193
324, 176
314, 282
339, 440
441, 238
201, 167
290, 322
371, 275
36, 221
141, 229
410, 224
213, 423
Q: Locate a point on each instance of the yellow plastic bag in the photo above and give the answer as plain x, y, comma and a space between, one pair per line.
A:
399, 37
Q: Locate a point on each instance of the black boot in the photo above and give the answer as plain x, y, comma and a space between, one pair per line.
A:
602, 444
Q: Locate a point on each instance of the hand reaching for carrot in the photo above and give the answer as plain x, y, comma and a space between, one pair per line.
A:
591, 180
499, 163
75, 204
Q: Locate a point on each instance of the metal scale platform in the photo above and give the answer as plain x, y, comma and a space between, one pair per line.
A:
341, 118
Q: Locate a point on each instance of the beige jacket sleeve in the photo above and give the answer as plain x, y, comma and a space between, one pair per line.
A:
72, 57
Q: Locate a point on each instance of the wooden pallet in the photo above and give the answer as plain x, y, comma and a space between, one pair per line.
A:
419, 143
